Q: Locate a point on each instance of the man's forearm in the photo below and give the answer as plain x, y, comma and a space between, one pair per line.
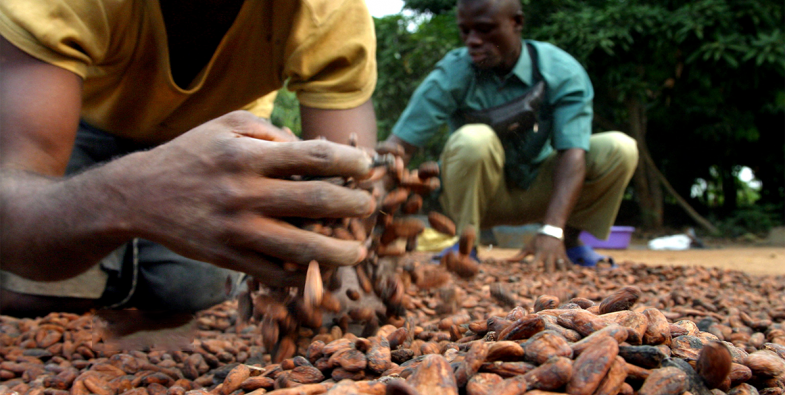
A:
568, 177
338, 125
53, 228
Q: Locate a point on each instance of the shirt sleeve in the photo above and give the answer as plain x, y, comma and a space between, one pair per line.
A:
432, 103
331, 54
71, 34
570, 94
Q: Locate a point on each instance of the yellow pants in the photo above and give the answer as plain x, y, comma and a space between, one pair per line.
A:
474, 191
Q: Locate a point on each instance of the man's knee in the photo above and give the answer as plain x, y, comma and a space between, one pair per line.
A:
619, 148
472, 143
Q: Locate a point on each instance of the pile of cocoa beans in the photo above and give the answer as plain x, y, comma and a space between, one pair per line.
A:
510, 329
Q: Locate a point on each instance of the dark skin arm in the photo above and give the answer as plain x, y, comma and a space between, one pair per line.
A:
214, 194
338, 125
568, 176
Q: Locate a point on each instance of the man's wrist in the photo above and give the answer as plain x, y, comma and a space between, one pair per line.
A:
552, 231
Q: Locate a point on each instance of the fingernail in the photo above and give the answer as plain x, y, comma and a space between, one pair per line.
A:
372, 204
362, 255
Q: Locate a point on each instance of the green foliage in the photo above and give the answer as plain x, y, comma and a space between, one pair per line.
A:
407, 49
287, 111
754, 219
430, 6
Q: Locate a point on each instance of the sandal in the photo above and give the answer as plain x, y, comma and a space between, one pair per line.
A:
585, 256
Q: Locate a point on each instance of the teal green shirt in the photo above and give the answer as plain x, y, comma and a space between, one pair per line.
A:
455, 85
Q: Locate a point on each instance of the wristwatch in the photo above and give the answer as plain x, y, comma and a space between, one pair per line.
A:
553, 231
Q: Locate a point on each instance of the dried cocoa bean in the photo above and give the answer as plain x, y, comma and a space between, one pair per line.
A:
665, 381
544, 345
483, 384
612, 382
714, 364
622, 299
441, 223
434, 376
591, 366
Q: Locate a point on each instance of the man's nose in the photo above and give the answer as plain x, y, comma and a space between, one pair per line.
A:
473, 39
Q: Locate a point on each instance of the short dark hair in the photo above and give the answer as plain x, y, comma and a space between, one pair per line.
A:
511, 7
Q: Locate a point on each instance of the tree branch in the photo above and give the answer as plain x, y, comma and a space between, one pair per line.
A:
683, 203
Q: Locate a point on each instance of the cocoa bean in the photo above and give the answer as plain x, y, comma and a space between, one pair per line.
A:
591, 366
441, 223
434, 376
622, 299
483, 384
524, 328
648, 357
544, 345
714, 364
664, 381
612, 382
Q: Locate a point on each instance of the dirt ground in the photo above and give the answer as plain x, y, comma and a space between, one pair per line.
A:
750, 259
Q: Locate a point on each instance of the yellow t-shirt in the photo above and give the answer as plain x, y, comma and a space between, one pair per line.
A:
326, 49
263, 106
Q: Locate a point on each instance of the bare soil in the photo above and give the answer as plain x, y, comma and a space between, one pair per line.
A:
749, 259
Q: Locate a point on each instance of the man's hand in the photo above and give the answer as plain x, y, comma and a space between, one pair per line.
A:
220, 193
546, 249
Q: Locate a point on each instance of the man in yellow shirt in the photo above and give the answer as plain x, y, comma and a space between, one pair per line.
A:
123, 167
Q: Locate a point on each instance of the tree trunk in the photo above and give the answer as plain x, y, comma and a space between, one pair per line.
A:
647, 187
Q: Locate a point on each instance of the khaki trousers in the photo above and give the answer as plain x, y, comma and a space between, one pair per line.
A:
474, 191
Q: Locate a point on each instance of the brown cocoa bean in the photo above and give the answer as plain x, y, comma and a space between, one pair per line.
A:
254, 383
545, 302
524, 328
507, 369
471, 364
592, 366
582, 321
636, 322
234, 379
714, 364
483, 384
504, 351
765, 363
623, 299
466, 241
665, 381
544, 345
434, 376
612, 382
658, 329
441, 223
379, 355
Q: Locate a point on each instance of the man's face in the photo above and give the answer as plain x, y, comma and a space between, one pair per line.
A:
491, 33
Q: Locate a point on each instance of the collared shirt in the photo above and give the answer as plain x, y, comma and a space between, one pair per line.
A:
326, 49
455, 85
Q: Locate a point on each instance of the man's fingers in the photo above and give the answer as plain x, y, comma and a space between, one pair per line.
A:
310, 199
520, 256
288, 243
312, 158
268, 270
249, 125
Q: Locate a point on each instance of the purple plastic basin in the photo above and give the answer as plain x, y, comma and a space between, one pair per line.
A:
619, 238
